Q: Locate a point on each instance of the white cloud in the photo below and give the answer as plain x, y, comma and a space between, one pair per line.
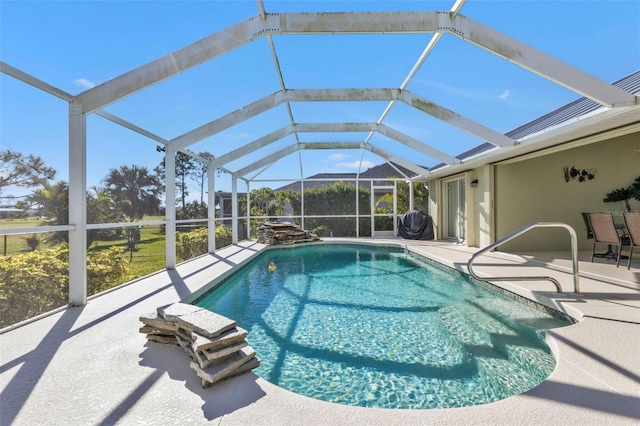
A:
354, 165
505, 94
83, 82
337, 157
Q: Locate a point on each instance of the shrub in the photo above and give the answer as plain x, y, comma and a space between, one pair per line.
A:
106, 269
33, 283
195, 243
223, 236
36, 282
32, 241
191, 244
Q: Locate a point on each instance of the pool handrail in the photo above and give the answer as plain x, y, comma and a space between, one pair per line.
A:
574, 256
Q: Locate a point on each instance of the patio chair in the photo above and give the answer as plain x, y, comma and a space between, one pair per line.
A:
605, 232
609, 253
632, 225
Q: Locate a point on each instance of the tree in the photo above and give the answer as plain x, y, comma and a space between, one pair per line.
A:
135, 189
23, 171
200, 172
193, 210
102, 208
53, 201
185, 165
420, 197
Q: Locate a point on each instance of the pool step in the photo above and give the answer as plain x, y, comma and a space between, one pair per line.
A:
503, 358
217, 347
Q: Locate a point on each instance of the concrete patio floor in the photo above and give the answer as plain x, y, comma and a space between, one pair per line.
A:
91, 366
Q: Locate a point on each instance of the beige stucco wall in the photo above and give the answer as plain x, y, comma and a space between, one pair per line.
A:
535, 190
480, 207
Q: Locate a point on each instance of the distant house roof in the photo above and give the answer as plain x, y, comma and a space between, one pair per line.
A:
387, 170
296, 186
575, 109
381, 171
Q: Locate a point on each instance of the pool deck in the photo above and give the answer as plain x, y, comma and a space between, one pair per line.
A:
90, 365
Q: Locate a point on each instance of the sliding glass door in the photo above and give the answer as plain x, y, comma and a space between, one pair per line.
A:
455, 210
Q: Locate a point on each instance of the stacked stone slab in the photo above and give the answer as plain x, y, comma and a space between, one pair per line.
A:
277, 232
217, 347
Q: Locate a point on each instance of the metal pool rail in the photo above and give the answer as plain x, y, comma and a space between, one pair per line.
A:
574, 256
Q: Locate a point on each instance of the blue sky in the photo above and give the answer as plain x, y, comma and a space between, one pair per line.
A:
76, 45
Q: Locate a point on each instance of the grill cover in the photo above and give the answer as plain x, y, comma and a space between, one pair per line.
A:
415, 225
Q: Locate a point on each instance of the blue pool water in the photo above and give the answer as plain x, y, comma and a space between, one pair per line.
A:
376, 327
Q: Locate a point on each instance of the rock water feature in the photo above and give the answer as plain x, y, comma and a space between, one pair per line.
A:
276, 232
217, 347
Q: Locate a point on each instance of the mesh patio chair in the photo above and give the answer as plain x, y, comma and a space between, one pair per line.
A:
605, 232
609, 253
632, 224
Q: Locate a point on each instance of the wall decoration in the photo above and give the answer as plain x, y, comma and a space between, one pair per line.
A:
580, 175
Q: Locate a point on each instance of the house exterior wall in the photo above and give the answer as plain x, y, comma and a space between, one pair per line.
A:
480, 207
535, 190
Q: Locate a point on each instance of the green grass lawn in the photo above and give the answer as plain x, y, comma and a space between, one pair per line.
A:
20, 223
148, 255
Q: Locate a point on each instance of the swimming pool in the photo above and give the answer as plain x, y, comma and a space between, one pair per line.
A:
377, 327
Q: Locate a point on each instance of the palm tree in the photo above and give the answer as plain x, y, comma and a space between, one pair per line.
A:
53, 201
621, 194
635, 187
135, 189
625, 194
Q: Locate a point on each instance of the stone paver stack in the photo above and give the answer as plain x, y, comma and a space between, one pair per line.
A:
277, 232
217, 347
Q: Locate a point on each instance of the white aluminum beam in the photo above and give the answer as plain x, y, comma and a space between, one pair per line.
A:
211, 209
234, 208
337, 95
33, 81
270, 159
332, 127
77, 205
170, 207
456, 120
276, 99
467, 29
331, 145
354, 23
252, 146
227, 121
423, 57
537, 61
394, 159
177, 62
131, 126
